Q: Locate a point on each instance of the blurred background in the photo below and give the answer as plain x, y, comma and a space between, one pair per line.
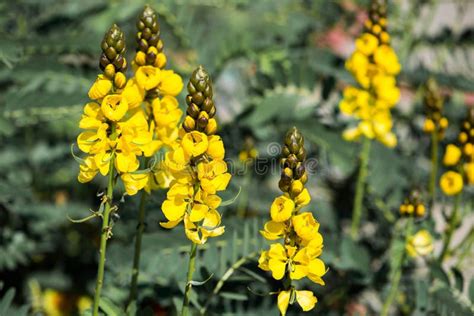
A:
275, 64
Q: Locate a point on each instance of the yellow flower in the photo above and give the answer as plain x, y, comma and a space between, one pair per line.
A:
305, 299
171, 83
134, 182
209, 227
282, 208
469, 172
148, 77
133, 93
166, 112
92, 117
303, 198
83, 303
421, 244
367, 44
385, 57
216, 147
87, 170
306, 226
429, 126
178, 198
273, 230
452, 155
114, 107
100, 88
195, 143
213, 175
451, 183
279, 257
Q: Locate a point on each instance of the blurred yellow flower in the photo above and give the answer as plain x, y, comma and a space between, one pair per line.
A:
451, 183
420, 244
452, 155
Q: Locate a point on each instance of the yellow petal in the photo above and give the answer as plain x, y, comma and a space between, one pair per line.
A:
171, 83
282, 209
306, 300
198, 212
283, 301
114, 107
100, 88
148, 77
173, 209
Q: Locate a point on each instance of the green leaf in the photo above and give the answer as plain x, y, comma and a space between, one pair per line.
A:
234, 296
109, 308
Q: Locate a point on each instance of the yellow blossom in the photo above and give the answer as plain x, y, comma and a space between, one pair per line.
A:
451, 183
114, 107
306, 226
100, 88
148, 77
452, 155
273, 230
282, 208
171, 83
420, 244
305, 299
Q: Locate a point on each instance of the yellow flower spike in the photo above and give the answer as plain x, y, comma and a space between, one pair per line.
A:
420, 244
100, 88
452, 155
282, 209
114, 107
148, 77
451, 183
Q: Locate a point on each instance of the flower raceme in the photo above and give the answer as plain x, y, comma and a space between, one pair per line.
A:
433, 101
460, 157
115, 127
296, 256
374, 65
196, 163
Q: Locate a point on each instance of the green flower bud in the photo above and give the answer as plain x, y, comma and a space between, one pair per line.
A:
113, 50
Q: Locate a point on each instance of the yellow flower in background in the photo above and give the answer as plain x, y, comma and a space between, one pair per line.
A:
428, 126
305, 299
452, 155
420, 244
451, 183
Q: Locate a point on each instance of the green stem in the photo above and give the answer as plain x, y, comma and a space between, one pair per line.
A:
397, 274
242, 208
434, 165
225, 277
453, 221
359, 195
187, 289
104, 236
138, 246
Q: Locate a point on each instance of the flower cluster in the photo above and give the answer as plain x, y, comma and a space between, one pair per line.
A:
413, 205
160, 88
433, 102
116, 130
296, 255
196, 162
461, 158
374, 65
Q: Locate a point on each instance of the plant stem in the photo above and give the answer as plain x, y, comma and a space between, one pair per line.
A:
104, 236
453, 221
397, 274
187, 289
359, 195
242, 208
225, 277
138, 246
434, 165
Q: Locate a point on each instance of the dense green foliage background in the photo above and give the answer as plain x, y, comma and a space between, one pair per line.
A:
275, 64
